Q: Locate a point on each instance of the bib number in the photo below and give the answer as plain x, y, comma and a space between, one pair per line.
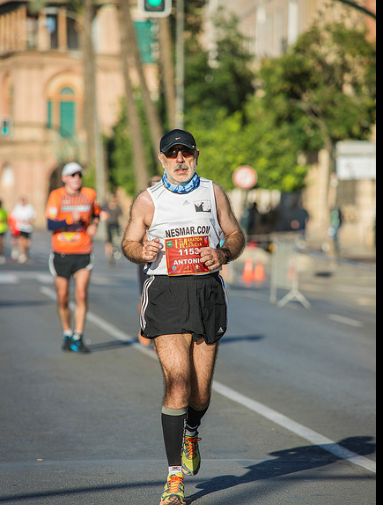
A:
181, 255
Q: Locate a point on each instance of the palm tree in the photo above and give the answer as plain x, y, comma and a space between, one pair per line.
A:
152, 116
126, 41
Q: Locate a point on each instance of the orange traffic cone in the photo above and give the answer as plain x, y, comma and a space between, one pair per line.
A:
247, 275
259, 272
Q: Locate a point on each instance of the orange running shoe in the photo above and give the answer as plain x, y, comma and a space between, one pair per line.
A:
174, 491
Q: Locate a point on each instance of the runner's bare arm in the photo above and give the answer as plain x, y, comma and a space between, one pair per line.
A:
234, 237
135, 245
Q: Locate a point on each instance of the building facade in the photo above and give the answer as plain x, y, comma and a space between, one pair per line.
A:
42, 92
270, 27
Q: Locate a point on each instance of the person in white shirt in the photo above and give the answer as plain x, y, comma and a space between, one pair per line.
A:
183, 229
23, 216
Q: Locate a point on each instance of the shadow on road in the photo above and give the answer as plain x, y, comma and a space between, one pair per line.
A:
287, 462
116, 344
76, 491
111, 345
30, 303
238, 338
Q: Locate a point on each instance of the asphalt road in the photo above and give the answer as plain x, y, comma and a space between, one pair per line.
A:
292, 419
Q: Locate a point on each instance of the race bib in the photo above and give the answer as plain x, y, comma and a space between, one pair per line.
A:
69, 237
181, 256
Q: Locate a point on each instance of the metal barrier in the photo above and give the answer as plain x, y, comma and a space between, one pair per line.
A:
285, 271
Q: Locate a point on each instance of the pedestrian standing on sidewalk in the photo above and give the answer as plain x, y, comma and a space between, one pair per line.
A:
72, 215
336, 222
184, 310
3, 231
23, 216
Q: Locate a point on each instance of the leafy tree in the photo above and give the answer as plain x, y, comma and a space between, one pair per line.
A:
258, 143
224, 85
204, 90
321, 91
120, 152
324, 87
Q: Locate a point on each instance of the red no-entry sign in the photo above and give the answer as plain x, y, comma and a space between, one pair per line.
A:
245, 177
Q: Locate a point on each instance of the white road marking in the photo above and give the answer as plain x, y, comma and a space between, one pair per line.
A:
103, 325
346, 321
16, 277
300, 430
8, 278
282, 420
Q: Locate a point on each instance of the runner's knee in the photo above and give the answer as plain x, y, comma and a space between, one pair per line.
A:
199, 400
178, 389
81, 295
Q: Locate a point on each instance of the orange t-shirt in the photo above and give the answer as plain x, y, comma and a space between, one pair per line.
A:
72, 239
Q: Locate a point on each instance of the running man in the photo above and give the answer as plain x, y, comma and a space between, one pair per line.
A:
176, 228
73, 215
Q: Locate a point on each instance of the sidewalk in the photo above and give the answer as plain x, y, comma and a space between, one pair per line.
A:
351, 280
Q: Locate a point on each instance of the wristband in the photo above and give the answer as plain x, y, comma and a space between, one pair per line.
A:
227, 255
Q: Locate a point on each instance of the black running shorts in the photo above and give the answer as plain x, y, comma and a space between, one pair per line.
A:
66, 265
194, 304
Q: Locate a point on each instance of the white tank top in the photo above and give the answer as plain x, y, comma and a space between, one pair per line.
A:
192, 214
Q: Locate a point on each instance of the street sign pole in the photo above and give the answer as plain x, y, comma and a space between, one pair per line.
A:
245, 178
180, 65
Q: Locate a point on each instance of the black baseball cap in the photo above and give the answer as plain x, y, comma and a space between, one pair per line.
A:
177, 137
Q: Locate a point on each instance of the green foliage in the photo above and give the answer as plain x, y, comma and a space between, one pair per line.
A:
36, 6
120, 153
89, 178
323, 88
258, 143
224, 83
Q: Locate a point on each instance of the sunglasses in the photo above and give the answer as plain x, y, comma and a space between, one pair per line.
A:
76, 174
172, 154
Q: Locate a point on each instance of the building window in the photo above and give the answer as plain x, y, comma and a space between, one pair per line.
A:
67, 113
72, 34
32, 32
50, 115
63, 109
52, 29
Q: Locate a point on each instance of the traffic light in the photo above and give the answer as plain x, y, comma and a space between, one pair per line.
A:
155, 8
5, 127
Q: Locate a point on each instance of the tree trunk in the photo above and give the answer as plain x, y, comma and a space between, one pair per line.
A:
166, 56
140, 167
89, 80
150, 109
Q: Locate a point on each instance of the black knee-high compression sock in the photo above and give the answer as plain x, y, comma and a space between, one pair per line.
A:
173, 426
194, 418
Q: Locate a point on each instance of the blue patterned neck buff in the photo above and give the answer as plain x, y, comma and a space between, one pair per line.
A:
189, 187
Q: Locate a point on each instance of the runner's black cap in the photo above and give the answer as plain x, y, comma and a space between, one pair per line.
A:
177, 137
